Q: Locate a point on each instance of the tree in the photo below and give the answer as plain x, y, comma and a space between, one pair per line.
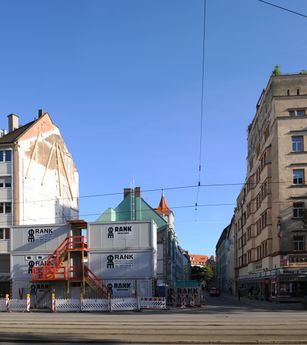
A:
202, 273
276, 70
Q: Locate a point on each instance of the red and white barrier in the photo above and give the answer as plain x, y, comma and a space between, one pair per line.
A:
182, 301
28, 302
53, 305
153, 303
7, 302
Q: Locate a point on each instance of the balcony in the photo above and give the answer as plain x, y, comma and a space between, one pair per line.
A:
297, 260
6, 220
6, 194
6, 168
4, 246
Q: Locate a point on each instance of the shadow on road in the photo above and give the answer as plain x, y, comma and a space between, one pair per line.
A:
29, 338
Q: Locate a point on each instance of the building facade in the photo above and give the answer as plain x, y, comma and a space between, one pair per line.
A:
270, 218
38, 181
225, 271
172, 262
221, 261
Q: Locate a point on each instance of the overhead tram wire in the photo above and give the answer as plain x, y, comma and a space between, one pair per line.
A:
283, 8
172, 207
202, 103
100, 195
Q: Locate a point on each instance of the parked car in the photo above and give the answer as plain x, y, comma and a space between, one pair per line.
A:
214, 291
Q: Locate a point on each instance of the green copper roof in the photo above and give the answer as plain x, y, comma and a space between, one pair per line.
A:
127, 211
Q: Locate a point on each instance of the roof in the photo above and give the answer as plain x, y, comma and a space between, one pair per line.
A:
11, 137
142, 211
222, 237
163, 207
198, 258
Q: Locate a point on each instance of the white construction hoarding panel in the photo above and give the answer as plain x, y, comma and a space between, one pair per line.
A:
20, 288
22, 265
38, 238
129, 287
121, 288
124, 264
139, 235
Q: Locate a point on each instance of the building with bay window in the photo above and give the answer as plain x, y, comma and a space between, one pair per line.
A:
270, 217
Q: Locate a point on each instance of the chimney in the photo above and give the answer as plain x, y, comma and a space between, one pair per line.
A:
41, 112
137, 191
13, 122
127, 191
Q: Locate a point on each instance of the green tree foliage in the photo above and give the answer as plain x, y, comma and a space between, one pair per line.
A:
202, 273
276, 70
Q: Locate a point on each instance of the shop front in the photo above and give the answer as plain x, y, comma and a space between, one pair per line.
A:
278, 285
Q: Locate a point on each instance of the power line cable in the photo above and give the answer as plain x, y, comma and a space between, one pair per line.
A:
283, 8
202, 100
209, 185
269, 203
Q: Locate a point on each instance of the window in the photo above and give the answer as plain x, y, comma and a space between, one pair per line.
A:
258, 226
4, 234
258, 202
298, 209
249, 256
5, 155
244, 218
250, 163
298, 144
248, 209
259, 254
264, 220
266, 132
5, 182
299, 242
298, 177
264, 245
244, 259
8, 207
5, 207
263, 190
258, 174
249, 232
297, 112
291, 113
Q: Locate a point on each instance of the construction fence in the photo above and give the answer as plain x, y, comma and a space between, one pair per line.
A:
85, 305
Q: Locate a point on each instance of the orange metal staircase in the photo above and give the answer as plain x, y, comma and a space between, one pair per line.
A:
55, 268
95, 283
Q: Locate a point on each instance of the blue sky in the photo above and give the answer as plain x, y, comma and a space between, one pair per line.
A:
122, 80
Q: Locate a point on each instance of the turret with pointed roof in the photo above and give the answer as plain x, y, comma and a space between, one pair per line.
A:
164, 211
163, 208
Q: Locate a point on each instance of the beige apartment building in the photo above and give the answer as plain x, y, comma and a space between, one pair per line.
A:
270, 217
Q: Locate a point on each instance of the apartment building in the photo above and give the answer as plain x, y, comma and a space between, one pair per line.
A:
270, 218
38, 181
225, 278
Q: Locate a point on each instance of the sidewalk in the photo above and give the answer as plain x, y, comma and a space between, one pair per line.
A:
245, 301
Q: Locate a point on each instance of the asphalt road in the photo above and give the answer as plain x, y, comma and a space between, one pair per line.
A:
222, 321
